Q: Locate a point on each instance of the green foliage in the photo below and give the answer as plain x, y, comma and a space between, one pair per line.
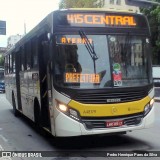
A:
80, 4
153, 15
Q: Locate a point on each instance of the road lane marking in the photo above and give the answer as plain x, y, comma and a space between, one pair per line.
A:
4, 139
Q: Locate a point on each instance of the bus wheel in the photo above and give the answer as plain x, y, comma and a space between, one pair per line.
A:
15, 111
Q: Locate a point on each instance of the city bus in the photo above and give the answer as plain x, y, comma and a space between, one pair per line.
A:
83, 72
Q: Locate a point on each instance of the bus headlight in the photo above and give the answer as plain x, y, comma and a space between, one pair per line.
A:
68, 111
148, 107
152, 102
62, 107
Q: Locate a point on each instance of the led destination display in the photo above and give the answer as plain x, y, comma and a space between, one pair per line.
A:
101, 20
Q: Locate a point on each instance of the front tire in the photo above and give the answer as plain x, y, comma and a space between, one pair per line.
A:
37, 119
15, 111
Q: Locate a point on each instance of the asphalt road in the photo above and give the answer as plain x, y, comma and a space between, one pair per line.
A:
19, 134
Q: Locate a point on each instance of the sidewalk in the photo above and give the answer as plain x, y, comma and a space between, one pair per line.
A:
157, 94
157, 99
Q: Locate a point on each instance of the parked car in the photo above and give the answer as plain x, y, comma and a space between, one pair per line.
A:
2, 84
156, 75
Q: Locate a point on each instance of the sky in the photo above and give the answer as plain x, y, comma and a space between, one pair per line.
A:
16, 13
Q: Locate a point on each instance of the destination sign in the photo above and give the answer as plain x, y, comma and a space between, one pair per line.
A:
75, 19
81, 78
101, 19
72, 40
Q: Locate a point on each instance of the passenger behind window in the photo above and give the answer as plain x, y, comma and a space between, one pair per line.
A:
72, 64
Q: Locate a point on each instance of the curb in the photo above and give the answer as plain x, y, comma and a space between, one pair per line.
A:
157, 99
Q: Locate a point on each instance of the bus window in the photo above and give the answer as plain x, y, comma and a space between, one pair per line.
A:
129, 60
34, 55
6, 65
23, 59
8, 58
76, 57
13, 63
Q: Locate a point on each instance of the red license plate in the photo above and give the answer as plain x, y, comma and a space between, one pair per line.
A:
114, 123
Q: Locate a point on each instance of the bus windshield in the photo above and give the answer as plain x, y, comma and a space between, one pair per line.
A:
121, 61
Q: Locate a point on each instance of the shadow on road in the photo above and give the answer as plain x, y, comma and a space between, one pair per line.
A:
88, 143
157, 91
97, 142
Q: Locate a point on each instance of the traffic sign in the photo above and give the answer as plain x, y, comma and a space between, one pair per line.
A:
2, 27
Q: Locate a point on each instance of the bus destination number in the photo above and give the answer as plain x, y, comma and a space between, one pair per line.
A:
97, 19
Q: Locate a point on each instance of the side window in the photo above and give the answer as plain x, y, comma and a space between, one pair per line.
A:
13, 63
28, 55
23, 60
20, 59
10, 63
34, 53
6, 64
42, 50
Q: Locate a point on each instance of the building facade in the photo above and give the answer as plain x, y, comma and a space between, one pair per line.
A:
12, 40
120, 5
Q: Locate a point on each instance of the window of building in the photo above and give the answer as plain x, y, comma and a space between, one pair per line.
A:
111, 1
7, 64
118, 2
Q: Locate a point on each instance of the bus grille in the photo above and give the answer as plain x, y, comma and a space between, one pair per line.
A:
109, 98
94, 124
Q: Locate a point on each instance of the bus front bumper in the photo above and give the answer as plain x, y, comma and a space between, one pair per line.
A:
66, 126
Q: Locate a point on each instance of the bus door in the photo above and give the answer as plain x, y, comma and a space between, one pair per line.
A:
45, 82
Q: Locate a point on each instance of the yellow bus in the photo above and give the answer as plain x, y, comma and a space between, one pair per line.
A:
83, 72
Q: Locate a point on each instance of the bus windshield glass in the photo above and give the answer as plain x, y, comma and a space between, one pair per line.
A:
121, 61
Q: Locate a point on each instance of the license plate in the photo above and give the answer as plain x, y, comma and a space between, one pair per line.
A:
114, 123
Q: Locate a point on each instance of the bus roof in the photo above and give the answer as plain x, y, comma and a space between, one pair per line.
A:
101, 9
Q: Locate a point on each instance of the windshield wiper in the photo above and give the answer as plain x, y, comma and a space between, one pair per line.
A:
90, 48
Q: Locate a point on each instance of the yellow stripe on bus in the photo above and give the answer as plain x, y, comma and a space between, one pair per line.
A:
117, 109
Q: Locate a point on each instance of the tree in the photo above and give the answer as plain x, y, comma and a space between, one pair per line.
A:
81, 4
153, 15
